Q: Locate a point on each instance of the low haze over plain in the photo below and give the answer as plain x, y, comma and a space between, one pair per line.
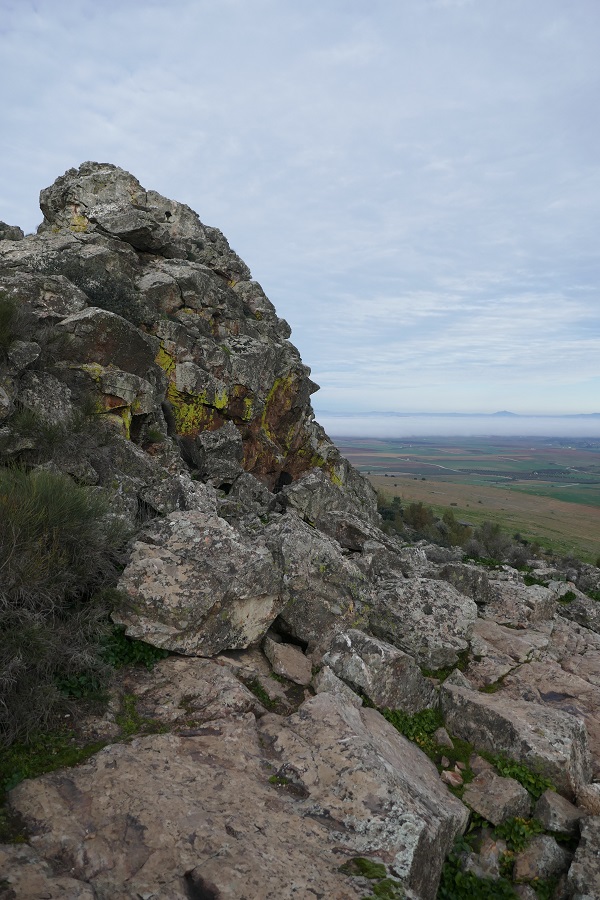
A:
415, 183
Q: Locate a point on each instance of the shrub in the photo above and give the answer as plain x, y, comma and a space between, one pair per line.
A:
58, 547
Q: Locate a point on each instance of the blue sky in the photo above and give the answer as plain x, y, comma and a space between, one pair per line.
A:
415, 183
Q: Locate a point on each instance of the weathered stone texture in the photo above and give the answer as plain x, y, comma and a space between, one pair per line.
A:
551, 742
388, 676
426, 618
195, 585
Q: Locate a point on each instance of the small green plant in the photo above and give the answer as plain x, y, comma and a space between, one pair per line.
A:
131, 722
254, 685
154, 436
384, 888
43, 752
8, 321
594, 595
567, 598
441, 674
458, 885
81, 687
493, 687
52, 616
545, 888
533, 782
118, 650
530, 580
517, 832
279, 780
418, 728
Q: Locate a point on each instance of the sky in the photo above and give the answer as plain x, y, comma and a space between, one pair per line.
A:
415, 183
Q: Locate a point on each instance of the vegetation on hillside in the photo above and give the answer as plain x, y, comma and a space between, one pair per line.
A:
59, 551
486, 543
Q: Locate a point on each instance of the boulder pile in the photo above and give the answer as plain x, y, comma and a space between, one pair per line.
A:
338, 707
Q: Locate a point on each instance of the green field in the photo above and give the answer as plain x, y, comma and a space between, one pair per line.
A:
546, 488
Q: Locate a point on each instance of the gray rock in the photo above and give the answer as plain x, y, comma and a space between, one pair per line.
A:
6, 406
325, 681
388, 676
428, 619
518, 605
288, 661
46, 396
48, 298
496, 798
323, 590
543, 858
468, 579
99, 336
11, 232
584, 611
197, 586
218, 455
584, 874
553, 743
332, 510
556, 813
442, 738
22, 353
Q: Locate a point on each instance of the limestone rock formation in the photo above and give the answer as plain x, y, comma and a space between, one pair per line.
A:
142, 361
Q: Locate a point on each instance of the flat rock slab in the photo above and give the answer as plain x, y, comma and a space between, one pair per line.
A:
230, 811
496, 798
546, 683
173, 817
426, 618
521, 646
377, 792
388, 676
183, 689
547, 741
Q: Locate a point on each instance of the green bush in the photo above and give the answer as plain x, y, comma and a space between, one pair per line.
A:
58, 547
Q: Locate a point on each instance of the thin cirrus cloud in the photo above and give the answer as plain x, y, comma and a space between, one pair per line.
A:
416, 184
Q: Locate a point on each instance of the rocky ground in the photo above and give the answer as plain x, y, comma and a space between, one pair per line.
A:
257, 762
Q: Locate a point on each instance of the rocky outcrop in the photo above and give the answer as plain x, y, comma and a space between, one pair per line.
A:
143, 361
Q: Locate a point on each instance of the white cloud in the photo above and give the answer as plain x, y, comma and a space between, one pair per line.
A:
416, 185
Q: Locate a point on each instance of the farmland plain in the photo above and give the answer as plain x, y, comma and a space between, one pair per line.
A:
548, 489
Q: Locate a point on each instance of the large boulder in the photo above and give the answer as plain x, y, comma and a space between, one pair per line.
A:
197, 586
323, 589
549, 742
427, 618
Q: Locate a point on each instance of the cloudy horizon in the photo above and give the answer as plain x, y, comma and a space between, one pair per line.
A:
415, 183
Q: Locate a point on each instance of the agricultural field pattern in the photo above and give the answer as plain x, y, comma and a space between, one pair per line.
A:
548, 489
